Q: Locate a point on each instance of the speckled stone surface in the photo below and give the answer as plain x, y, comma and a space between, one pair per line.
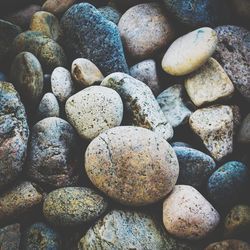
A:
110, 13
57, 7
10, 237
73, 206
92, 36
132, 165
229, 245
244, 132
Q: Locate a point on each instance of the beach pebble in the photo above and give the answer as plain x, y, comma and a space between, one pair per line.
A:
244, 132
229, 245
189, 52
110, 13
57, 7
188, 215
10, 237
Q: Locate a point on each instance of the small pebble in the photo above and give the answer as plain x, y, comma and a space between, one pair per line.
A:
244, 132
229, 245
57, 7
10, 237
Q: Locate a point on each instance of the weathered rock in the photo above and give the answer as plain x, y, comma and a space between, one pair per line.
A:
10, 237
244, 132
110, 13
229, 245
57, 7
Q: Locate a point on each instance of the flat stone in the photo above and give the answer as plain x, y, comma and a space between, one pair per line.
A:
10, 237
244, 132
229, 245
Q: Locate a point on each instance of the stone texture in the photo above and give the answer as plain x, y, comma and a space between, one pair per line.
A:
111, 14
244, 132
57, 7
229, 245
10, 237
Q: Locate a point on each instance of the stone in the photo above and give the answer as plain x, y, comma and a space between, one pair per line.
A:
53, 157
229, 245
233, 53
146, 72
209, 84
189, 52
85, 73
244, 132
94, 110
132, 165
228, 185
140, 103
144, 30
214, 125
10, 237
89, 35
57, 7
180, 144
174, 105
188, 215
14, 133
72, 206
111, 14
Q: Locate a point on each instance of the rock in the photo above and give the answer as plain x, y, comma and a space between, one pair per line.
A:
244, 132
41, 236
19, 199
129, 230
180, 144
110, 13
140, 103
188, 215
10, 237
214, 125
132, 165
94, 110
229, 245
89, 35
146, 72
189, 52
57, 7
233, 53
27, 75
209, 84
73, 206
195, 166
14, 132
62, 84
53, 155
228, 184
173, 105
85, 73
145, 29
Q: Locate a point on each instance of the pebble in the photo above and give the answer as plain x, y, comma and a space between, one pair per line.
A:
53, 153
214, 125
72, 206
10, 237
14, 132
188, 215
140, 167
209, 84
229, 245
228, 185
174, 105
189, 52
57, 7
90, 35
94, 110
110, 13
145, 29
140, 103
85, 73
244, 132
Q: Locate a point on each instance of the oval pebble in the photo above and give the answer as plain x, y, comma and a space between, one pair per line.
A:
57, 7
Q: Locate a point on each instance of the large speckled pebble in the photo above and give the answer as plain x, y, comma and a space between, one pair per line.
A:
62, 84
73, 206
132, 165
94, 110
145, 29
41, 236
53, 153
229, 245
10, 237
188, 215
140, 103
110, 13
244, 132
214, 125
229, 184
174, 105
209, 84
189, 52
57, 7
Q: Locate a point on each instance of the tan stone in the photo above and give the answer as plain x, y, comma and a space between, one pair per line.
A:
57, 7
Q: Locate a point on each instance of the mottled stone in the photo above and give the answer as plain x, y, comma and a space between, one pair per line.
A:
173, 105
10, 237
73, 206
229, 245
57, 7
189, 52
244, 132
140, 103
111, 14
188, 215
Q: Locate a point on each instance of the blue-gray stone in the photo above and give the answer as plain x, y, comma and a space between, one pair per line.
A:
110, 13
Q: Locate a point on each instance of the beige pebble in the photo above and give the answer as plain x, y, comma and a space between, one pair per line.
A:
57, 7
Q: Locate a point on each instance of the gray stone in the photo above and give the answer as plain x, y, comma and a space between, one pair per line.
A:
10, 237
110, 13
244, 132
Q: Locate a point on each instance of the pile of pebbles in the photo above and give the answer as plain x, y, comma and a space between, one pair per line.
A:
124, 125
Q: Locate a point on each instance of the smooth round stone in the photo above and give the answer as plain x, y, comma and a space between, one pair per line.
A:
228, 185
27, 74
233, 53
145, 29
132, 165
189, 52
62, 84
10, 237
229, 245
85, 73
110, 13
146, 72
94, 110
53, 153
57, 7
244, 132
215, 126
209, 84
73, 206
14, 133
41, 236
47, 24
188, 215
195, 166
